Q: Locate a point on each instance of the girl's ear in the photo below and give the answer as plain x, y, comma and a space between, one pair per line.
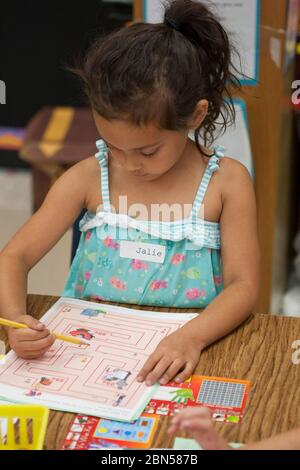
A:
199, 114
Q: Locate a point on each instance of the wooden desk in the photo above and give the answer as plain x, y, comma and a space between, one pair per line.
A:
259, 351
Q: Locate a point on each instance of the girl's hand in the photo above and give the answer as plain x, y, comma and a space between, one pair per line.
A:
198, 422
32, 342
175, 353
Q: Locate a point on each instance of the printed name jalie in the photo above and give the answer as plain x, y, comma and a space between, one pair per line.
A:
148, 252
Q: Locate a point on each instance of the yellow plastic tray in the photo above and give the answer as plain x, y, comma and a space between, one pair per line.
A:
23, 427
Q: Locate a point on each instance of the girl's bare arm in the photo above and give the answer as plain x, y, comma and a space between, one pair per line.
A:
240, 258
287, 441
178, 354
60, 209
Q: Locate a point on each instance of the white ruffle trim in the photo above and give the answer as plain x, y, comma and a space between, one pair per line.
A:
199, 232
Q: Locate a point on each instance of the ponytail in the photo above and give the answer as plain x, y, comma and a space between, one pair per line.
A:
196, 22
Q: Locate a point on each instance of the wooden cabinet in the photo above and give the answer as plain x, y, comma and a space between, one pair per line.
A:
270, 123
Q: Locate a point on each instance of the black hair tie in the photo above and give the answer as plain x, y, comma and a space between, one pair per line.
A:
172, 23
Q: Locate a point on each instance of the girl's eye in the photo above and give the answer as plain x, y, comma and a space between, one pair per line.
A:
149, 154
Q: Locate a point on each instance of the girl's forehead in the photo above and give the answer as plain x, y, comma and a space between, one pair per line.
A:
123, 134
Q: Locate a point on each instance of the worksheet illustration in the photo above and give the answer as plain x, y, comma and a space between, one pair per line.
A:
98, 379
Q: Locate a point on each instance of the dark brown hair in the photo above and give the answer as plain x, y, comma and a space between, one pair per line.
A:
158, 72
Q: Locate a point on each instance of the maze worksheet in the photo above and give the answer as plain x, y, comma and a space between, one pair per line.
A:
99, 379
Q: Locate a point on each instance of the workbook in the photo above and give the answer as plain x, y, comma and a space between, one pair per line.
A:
98, 379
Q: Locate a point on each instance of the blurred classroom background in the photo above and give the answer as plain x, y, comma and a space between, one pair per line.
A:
45, 126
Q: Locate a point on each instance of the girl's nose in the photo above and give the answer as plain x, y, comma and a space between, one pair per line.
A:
132, 163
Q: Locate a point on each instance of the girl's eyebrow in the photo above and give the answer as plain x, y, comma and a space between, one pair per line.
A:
140, 148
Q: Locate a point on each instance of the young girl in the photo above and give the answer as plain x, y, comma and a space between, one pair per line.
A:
169, 222
198, 423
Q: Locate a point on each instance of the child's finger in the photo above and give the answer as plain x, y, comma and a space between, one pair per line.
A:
177, 420
196, 424
189, 421
187, 371
157, 372
173, 429
204, 432
33, 355
27, 334
23, 341
198, 412
148, 366
33, 346
172, 371
31, 322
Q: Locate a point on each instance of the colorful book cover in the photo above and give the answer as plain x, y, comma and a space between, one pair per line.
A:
89, 433
225, 397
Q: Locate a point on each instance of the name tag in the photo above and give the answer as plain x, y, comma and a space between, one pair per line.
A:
142, 251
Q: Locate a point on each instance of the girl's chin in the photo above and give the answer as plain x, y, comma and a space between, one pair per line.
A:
146, 176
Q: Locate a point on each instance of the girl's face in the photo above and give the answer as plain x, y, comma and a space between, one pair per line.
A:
144, 152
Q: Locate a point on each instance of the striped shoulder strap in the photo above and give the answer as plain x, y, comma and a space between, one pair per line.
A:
212, 166
102, 156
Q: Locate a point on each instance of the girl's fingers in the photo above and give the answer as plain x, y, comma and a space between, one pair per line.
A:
187, 371
196, 424
30, 335
204, 433
34, 346
198, 412
157, 372
172, 371
173, 429
35, 355
148, 366
197, 421
31, 322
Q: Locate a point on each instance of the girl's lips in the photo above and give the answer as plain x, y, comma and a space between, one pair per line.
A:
143, 175
140, 174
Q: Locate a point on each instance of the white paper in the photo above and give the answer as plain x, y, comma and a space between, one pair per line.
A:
97, 380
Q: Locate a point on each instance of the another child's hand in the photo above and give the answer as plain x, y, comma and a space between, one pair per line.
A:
32, 342
175, 353
197, 421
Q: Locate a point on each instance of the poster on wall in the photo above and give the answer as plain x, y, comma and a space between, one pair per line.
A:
241, 20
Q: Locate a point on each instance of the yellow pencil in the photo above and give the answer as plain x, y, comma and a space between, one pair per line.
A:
69, 339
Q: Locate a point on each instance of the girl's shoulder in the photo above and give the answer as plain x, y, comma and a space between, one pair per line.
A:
233, 177
232, 166
84, 176
87, 166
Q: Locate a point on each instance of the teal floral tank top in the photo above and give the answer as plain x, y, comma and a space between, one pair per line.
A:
165, 264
